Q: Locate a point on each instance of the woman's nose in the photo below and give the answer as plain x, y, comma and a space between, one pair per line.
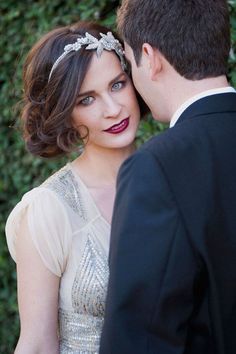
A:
112, 108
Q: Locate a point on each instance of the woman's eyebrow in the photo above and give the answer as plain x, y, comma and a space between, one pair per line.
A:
117, 77
87, 93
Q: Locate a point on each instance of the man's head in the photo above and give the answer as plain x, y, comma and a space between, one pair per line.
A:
177, 49
192, 35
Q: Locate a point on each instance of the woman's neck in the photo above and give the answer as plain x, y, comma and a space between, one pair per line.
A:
99, 168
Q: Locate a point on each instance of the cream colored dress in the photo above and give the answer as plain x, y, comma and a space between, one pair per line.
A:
72, 238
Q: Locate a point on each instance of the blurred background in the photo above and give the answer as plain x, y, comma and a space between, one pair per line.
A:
21, 24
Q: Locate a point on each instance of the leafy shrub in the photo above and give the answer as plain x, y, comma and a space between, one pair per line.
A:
22, 23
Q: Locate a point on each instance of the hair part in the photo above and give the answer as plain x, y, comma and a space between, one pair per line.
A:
193, 35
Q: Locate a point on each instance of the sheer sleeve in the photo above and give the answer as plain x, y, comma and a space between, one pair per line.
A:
48, 226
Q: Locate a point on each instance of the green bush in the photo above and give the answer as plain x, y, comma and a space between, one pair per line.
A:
21, 24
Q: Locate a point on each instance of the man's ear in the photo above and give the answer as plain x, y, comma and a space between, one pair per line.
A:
152, 60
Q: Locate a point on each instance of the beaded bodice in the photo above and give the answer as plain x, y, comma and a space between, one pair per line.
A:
80, 326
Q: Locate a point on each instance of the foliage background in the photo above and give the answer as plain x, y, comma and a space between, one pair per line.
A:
21, 24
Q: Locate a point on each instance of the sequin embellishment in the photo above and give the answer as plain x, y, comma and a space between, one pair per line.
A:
90, 284
65, 185
80, 331
79, 334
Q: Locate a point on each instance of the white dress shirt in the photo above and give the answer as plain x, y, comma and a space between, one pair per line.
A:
195, 98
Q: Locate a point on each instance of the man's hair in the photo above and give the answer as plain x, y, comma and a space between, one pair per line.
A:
193, 35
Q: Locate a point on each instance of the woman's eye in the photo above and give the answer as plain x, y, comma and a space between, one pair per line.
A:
86, 101
118, 85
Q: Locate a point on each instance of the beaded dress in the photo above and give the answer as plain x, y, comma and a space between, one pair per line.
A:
72, 238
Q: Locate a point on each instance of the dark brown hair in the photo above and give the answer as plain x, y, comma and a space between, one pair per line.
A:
193, 35
47, 104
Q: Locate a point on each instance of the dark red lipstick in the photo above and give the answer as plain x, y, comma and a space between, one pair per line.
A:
118, 128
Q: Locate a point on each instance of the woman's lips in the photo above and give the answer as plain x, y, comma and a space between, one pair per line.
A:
118, 128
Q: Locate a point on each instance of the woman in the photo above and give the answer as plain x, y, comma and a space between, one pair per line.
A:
75, 90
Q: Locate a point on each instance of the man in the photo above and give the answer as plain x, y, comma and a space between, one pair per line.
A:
172, 285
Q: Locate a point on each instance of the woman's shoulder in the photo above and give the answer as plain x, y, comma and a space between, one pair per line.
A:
59, 180
66, 187
48, 224
48, 196
59, 194
62, 186
52, 187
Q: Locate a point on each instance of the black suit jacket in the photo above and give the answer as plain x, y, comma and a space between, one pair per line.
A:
172, 286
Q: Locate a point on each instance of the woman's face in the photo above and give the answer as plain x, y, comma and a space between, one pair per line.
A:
107, 105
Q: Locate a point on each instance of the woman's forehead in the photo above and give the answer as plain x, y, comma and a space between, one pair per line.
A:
101, 70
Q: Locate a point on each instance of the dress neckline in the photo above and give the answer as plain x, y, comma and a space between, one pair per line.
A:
86, 189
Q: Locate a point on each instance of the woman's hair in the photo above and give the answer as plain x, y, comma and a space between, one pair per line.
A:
47, 104
193, 35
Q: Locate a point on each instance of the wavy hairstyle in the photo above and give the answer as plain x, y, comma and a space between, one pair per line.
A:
47, 104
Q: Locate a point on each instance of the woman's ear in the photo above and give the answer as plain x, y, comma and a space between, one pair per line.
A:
152, 59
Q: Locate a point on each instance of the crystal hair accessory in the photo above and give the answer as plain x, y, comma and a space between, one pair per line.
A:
107, 42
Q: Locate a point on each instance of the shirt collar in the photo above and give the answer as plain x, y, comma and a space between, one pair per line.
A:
191, 100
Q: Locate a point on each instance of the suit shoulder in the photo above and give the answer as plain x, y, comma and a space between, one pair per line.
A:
175, 140
162, 142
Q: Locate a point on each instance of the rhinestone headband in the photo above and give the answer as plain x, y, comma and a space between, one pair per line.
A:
107, 42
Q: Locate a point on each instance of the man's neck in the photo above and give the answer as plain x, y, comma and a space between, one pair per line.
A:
187, 89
